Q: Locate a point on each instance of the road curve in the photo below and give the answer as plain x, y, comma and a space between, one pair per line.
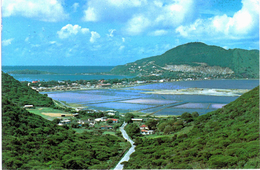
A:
119, 166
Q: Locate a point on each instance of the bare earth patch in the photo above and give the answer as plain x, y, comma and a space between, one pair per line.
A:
56, 114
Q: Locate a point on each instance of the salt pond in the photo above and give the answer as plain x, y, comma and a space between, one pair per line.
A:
125, 100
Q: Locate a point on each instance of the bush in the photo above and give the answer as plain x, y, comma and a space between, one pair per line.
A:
221, 161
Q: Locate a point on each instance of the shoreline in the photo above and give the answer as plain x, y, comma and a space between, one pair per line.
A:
124, 87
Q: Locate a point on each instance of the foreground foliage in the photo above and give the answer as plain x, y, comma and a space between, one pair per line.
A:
32, 142
225, 138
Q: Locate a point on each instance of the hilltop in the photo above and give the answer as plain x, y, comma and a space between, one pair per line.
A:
225, 138
196, 59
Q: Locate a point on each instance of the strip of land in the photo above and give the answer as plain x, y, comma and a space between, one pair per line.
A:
201, 91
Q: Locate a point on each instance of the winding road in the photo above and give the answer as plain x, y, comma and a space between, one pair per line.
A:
119, 166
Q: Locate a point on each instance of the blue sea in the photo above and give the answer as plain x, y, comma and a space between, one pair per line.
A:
63, 73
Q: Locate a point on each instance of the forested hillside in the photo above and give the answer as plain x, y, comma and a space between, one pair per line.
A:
31, 142
225, 138
21, 94
199, 56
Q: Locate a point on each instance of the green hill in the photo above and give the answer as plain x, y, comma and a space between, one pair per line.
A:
32, 142
225, 138
242, 63
21, 94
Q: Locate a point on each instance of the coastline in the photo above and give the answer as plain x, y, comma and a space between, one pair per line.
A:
123, 87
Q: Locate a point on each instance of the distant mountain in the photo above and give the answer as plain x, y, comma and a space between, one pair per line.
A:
27, 71
198, 58
227, 138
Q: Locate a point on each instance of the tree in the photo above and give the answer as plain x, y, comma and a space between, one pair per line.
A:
187, 117
151, 123
194, 114
132, 130
109, 121
116, 126
168, 129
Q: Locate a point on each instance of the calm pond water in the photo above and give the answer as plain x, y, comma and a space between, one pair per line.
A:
125, 100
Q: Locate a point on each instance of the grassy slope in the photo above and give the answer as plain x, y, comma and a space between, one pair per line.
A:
200, 52
225, 138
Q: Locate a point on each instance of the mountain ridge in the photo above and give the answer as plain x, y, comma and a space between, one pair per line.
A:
243, 63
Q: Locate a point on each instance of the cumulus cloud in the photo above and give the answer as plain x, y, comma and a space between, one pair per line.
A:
94, 36
244, 22
137, 25
111, 9
50, 11
141, 15
7, 42
69, 30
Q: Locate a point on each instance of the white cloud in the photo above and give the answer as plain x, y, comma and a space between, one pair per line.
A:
94, 36
7, 42
121, 47
123, 39
111, 31
90, 15
110, 9
75, 6
243, 23
137, 25
141, 15
51, 10
69, 30
159, 32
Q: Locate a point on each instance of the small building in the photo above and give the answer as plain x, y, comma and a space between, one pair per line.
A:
102, 119
104, 85
147, 132
29, 106
136, 120
64, 122
140, 82
144, 127
111, 114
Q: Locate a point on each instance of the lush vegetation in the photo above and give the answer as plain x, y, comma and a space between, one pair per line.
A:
244, 63
32, 142
225, 138
26, 71
21, 94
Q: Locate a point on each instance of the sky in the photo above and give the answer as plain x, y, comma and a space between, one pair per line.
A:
116, 32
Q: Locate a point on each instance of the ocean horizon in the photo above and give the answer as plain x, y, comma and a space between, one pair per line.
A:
72, 73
